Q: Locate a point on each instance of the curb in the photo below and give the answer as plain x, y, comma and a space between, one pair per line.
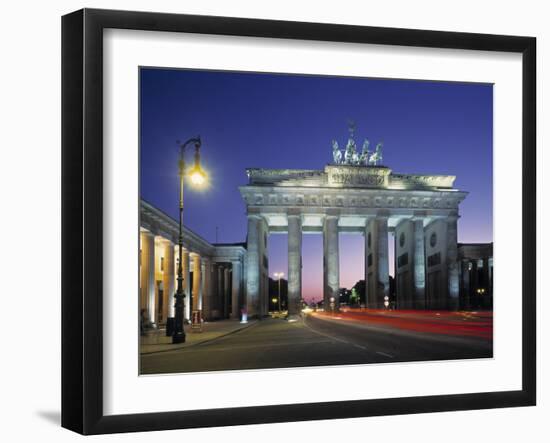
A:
189, 345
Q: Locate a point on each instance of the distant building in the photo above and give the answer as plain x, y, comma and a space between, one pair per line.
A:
476, 275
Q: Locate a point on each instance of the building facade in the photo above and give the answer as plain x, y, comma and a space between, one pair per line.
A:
213, 274
476, 275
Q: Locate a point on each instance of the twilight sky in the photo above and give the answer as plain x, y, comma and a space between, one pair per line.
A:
288, 121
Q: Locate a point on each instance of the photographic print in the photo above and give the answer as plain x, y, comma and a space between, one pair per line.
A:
251, 203
292, 220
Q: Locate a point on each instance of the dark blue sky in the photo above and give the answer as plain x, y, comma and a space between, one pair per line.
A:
288, 121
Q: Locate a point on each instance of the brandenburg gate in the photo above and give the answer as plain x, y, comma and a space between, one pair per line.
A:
356, 194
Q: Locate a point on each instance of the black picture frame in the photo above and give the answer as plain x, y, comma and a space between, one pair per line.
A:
82, 218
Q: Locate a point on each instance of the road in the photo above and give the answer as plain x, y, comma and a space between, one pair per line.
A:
314, 341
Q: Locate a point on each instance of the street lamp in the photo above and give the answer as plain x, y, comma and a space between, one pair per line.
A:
197, 178
279, 275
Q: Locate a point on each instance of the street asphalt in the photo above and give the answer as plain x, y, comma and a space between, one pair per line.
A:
313, 341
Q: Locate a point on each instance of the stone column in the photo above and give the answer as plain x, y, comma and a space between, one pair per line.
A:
452, 262
253, 266
197, 280
186, 269
235, 289
169, 279
213, 294
490, 265
294, 264
486, 284
474, 303
143, 262
369, 298
148, 275
331, 262
264, 257
226, 291
419, 265
202, 286
383, 276
206, 289
490, 284
486, 281
219, 290
466, 283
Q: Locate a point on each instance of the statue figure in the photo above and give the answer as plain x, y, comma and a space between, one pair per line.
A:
364, 158
336, 153
377, 155
355, 158
379, 151
350, 151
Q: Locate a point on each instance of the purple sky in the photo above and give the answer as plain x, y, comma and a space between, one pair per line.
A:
288, 121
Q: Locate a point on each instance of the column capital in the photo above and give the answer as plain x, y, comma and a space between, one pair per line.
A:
146, 233
420, 215
332, 213
452, 218
368, 219
167, 241
293, 212
401, 221
383, 214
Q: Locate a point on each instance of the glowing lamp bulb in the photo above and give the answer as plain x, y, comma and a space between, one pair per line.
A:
197, 177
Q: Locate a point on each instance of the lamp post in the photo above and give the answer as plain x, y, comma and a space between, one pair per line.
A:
197, 177
279, 275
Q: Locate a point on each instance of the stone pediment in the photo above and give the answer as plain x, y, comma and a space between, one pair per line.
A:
348, 176
344, 176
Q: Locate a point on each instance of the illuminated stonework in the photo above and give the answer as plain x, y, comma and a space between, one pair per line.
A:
369, 200
213, 277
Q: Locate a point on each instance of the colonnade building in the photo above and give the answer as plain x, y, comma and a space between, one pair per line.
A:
213, 274
476, 275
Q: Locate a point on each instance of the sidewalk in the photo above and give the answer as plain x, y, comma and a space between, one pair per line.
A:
157, 341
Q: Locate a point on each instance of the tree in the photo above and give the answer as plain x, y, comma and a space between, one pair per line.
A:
354, 297
360, 289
